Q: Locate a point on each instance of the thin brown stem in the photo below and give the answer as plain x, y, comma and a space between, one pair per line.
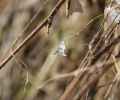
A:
78, 33
93, 80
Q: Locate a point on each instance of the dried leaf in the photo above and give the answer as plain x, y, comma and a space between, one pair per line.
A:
73, 6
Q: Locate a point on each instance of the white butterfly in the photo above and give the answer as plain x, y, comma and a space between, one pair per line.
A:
60, 50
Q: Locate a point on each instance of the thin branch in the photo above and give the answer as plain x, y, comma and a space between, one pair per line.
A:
93, 80
78, 33
65, 75
105, 85
110, 87
34, 32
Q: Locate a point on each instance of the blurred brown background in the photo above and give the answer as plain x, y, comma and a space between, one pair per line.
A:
14, 16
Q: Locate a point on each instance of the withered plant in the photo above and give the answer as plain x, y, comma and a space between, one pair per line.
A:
74, 61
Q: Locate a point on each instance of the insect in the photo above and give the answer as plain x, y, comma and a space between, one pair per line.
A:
73, 6
61, 49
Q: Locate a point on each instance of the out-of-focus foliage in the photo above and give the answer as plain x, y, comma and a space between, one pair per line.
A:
14, 16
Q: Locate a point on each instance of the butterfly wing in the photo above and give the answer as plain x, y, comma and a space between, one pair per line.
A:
61, 49
76, 6
73, 6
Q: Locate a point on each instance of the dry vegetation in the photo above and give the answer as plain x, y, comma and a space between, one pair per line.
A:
90, 69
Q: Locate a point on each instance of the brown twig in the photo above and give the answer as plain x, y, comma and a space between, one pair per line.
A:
95, 58
93, 80
34, 32
78, 33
